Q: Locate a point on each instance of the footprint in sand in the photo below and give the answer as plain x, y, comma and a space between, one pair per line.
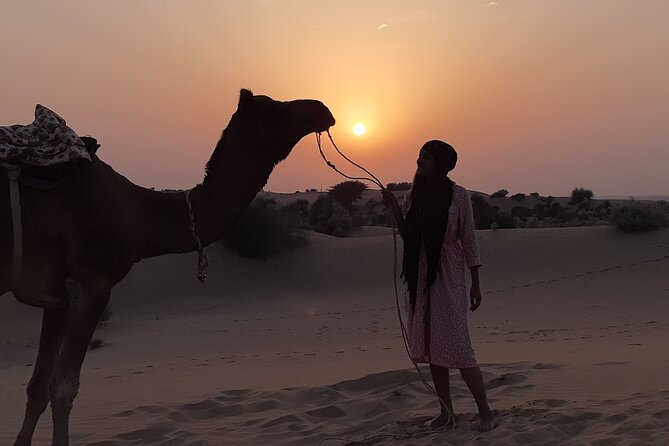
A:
327, 412
507, 379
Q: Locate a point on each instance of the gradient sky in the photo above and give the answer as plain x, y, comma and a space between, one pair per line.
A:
535, 95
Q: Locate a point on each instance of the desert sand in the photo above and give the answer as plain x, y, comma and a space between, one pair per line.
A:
305, 349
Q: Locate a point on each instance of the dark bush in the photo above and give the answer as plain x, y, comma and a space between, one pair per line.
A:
398, 186
329, 217
297, 213
637, 217
263, 231
505, 221
500, 193
518, 197
521, 212
580, 195
347, 192
484, 214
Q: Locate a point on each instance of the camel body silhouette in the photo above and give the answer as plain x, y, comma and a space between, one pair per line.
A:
83, 236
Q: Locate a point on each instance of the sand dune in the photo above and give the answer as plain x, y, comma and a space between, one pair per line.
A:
390, 408
571, 338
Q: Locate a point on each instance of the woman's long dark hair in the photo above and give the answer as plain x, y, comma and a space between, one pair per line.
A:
427, 218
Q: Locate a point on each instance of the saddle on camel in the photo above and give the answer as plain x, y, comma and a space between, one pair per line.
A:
39, 156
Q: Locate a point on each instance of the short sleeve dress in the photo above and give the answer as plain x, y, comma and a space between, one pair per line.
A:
437, 327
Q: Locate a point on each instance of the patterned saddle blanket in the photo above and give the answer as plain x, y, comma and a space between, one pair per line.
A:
48, 141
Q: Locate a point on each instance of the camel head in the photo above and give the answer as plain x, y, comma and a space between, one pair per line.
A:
276, 126
263, 131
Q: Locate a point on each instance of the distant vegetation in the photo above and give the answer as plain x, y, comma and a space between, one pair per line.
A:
347, 192
500, 193
398, 186
581, 196
637, 217
268, 229
581, 209
327, 216
264, 230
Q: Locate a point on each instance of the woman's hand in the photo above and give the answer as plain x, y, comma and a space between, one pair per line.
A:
388, 198
391, 203
475, 297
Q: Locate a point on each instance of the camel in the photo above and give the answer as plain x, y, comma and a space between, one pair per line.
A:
82, 237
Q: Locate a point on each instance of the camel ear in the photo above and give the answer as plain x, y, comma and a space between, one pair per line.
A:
245, 98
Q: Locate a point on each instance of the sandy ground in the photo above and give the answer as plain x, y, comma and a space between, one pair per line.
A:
571, 339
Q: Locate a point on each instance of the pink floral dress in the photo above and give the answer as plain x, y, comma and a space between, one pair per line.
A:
437, 328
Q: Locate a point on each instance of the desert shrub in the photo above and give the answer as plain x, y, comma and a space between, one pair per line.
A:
329, 217
534, 194
500, 193
347, 193
505, 221
553, 211
602, 211
521, 212
518, 197
263, 231
398, 186
484, 214
580, 195
380, 219
297, 213
639, 218
532, 222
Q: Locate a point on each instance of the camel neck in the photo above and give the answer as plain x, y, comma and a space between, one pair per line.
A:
168, 229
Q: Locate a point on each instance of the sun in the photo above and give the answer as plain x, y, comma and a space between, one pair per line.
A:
359, 129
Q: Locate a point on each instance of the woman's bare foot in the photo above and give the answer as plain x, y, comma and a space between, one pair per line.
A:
444, 419
485, 424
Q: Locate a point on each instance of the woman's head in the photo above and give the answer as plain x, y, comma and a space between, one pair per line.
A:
435, 159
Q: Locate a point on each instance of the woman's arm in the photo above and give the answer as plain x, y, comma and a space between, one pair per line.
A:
466, 231
390, 201
467, 228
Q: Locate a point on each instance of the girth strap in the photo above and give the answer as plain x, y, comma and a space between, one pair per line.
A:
13, 172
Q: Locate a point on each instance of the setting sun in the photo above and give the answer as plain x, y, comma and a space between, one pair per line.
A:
359, 129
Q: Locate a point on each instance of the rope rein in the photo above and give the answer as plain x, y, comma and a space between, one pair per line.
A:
405, 337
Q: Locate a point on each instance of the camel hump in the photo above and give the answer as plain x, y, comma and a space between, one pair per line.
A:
47, 141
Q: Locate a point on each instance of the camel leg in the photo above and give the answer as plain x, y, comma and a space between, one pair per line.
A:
86, 306
53, 326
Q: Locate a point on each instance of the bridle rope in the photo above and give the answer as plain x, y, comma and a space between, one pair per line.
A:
203, 259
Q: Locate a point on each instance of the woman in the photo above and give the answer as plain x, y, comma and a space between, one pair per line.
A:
437, 225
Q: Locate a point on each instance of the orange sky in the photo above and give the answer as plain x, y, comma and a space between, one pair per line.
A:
535, 95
